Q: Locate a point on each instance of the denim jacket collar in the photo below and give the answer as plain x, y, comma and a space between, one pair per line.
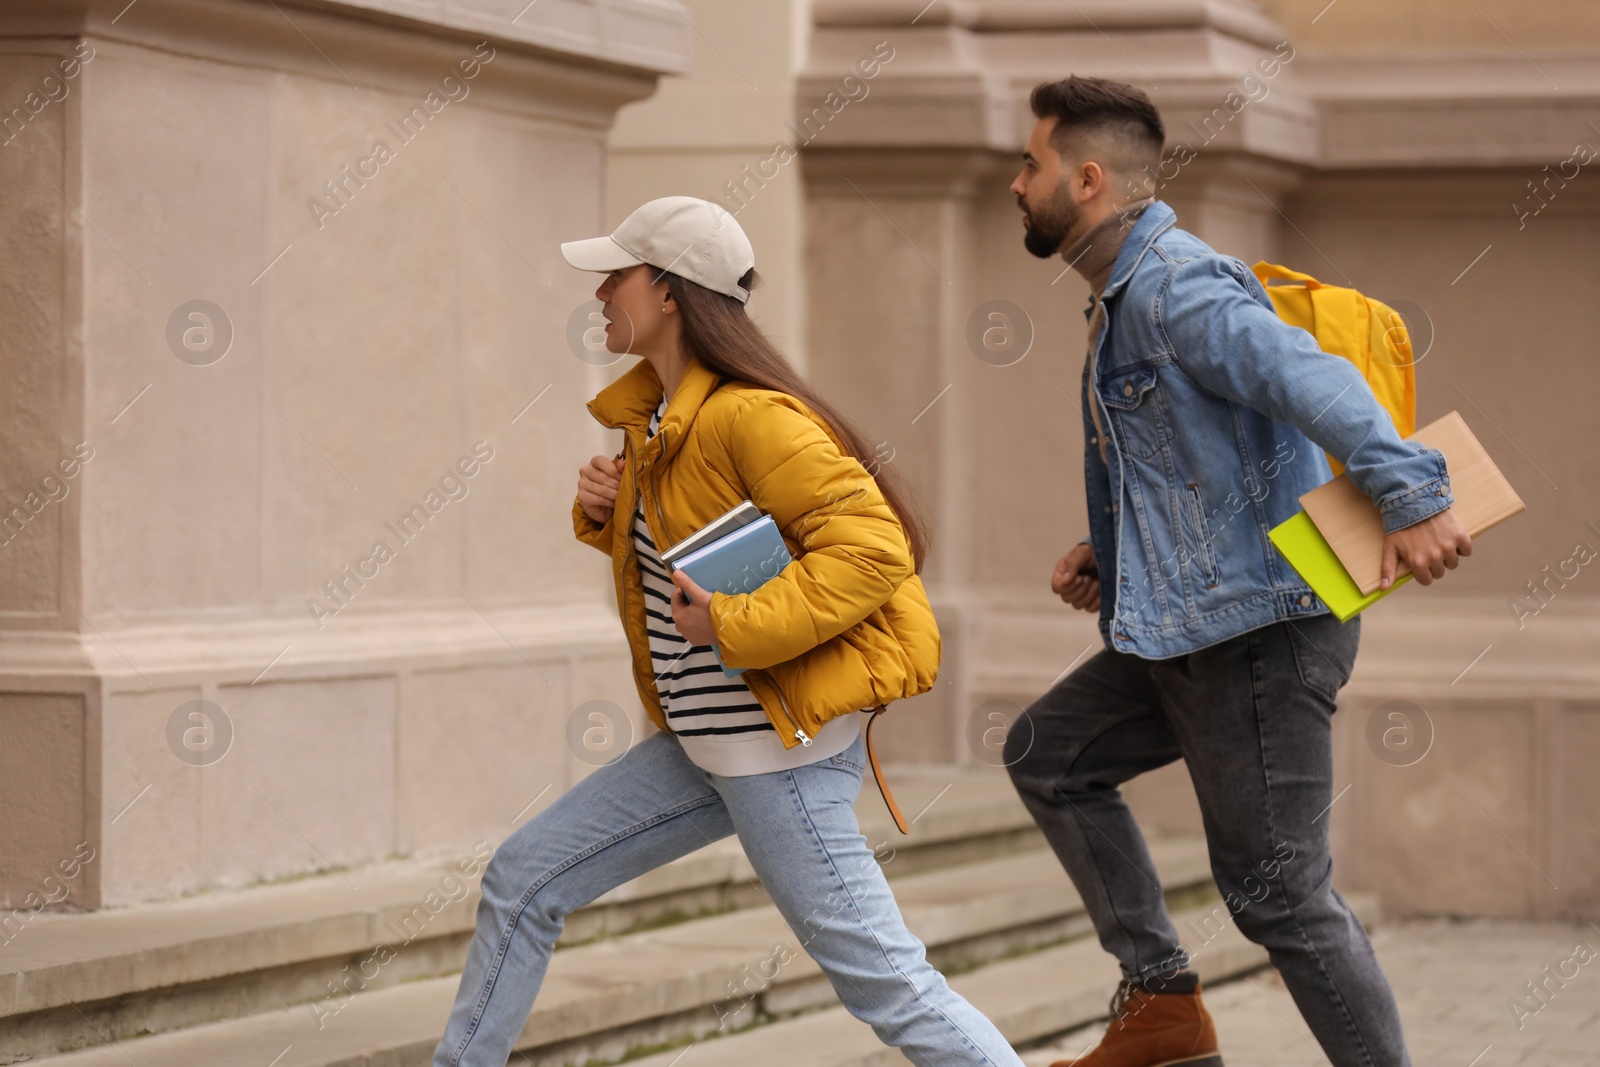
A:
1156, 220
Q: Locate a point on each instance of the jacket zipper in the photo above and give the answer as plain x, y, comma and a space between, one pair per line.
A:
630, 558
805, 738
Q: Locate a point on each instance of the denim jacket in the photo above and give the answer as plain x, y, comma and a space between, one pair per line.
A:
1217, 415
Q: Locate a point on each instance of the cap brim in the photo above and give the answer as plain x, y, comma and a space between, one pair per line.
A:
598, 253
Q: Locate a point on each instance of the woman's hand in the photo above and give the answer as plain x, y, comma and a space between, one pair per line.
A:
692, 617
1077, 579
597, 487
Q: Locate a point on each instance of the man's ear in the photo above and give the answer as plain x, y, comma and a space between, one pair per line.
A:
1091, 177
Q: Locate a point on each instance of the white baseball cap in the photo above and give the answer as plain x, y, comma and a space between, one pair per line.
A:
693, 238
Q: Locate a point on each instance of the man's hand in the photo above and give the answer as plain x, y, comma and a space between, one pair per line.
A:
597, 487
1427, 547
1077, 580
692, 616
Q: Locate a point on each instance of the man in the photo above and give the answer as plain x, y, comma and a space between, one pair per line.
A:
1205, 418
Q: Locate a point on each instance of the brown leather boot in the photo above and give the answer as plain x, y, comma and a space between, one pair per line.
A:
1168, 1029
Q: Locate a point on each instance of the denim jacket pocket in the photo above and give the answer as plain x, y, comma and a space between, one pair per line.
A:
1194, 519
1137, 411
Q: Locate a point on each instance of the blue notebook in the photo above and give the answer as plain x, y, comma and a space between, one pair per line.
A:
738, 562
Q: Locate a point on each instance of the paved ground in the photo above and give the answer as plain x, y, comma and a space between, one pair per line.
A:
1455, 982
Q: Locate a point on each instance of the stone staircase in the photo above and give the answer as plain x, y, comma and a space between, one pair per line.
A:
292, 975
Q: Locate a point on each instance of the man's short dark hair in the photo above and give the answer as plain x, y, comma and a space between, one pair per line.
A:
1115, 116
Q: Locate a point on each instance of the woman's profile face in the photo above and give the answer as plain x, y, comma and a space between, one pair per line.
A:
634, 319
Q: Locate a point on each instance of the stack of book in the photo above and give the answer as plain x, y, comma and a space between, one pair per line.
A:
1336, 542
734, 553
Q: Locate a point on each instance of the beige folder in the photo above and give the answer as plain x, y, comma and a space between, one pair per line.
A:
1353, 526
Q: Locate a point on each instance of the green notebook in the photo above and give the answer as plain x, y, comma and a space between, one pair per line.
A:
1302, 544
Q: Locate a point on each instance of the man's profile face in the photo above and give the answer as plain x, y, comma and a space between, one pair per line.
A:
1044, 194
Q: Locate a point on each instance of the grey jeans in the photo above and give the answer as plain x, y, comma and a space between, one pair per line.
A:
1251, 716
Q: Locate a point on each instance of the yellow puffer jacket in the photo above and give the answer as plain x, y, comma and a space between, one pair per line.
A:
846, 625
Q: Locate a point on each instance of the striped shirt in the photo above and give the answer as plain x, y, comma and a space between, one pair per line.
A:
722, 725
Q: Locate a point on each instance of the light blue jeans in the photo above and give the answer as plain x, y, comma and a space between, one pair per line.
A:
799, 831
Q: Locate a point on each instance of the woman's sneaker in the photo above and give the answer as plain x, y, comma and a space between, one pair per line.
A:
1169, 1028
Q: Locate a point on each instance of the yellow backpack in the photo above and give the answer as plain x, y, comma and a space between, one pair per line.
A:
1365, 331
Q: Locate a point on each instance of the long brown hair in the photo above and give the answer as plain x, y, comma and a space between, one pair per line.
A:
720, 334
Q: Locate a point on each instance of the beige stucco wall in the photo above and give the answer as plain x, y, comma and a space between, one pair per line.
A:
1367, 27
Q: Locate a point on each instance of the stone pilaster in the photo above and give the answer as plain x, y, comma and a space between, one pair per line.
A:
282, 288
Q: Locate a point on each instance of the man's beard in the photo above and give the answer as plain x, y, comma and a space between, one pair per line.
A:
1048, 226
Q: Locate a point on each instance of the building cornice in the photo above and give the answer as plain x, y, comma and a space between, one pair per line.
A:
962, 73
606, 52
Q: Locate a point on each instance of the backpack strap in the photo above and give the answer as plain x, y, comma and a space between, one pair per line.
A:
877, 774
1276, 271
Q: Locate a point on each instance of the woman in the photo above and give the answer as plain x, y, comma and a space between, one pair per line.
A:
714, 415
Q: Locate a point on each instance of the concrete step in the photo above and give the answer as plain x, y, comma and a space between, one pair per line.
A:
74, 980
1032, 999
621, 996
